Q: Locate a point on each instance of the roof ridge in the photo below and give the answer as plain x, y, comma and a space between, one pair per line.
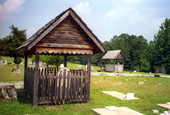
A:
48, 27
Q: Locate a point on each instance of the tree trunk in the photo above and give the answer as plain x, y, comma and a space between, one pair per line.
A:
17, 66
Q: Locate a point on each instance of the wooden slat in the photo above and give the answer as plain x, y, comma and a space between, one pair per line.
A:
63, 87
90, 34
48, 30
55, 90
61, 45
71, 87
64, 41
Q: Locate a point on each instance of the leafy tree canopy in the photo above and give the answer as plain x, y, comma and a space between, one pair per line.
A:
50, 59
132, 46
9, 44
162, 46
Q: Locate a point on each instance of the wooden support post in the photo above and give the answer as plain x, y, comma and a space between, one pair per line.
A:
65, 60
114, 66
123, 65
89, 77
25, 68
35, 82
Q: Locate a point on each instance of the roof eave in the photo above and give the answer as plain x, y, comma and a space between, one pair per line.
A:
88, 31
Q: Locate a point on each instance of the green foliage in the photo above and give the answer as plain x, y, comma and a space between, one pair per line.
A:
78, 59
97, 59
7, 75
50, 59
132, 46
145, 65
9, 44
74, 59
17, 60
162, 46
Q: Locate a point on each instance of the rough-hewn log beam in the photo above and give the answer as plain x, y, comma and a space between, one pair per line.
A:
89, 76
35, 83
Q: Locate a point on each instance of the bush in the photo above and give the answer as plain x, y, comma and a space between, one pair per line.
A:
17, 60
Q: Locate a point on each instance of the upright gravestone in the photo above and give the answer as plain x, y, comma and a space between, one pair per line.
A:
8, 93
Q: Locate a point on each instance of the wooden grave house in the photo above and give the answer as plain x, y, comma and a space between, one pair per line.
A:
65, 35
117, 64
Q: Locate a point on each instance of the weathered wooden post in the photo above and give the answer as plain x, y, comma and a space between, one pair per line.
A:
65, 60
35, 82
89, 76
25, 68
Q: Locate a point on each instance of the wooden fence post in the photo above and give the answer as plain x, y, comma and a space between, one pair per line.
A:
25, 68
35, 82
65, 60
88, 75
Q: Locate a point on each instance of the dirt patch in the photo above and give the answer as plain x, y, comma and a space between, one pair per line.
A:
50, 108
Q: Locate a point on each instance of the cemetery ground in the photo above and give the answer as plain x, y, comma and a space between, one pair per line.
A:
155, 90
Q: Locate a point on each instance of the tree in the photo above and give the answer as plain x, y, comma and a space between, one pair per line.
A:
2, 47
13, 41
144, 65
162, 46
17, 60
9, 44
149, 57
132, 46
50, 60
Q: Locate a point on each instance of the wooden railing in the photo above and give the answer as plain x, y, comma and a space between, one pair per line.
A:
62, 87
29, 73
59, 87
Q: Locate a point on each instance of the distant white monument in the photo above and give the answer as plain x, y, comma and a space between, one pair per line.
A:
129, 96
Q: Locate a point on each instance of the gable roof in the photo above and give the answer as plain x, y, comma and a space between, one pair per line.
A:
115, 55
42, 32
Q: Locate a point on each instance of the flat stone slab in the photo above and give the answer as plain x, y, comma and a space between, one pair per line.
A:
18, 85
118, 111
167, 106
118, 95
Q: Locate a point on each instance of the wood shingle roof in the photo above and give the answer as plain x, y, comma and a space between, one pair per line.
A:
65, 34
114, 55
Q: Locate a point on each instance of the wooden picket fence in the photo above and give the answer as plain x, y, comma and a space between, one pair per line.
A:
28, 82
59, 87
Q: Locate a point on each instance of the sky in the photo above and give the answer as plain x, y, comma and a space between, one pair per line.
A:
106, 18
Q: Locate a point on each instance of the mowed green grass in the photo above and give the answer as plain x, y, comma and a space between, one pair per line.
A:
6, 74
150, 94
74, 66
154, 91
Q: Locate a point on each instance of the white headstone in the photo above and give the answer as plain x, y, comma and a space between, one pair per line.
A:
130, 96
79, 66
91, 68
30, 63
61, 65
168, 103
141, 82
155, 111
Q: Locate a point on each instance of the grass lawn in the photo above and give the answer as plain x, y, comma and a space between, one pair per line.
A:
6, 73
74, 66
150, 94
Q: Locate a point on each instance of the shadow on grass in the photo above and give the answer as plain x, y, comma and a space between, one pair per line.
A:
22, 98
